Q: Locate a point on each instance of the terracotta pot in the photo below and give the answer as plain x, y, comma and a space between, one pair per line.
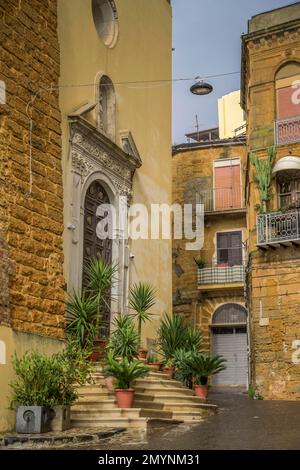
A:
201, 391
169, 371
124, 397
142, 353
99, 350
155, 366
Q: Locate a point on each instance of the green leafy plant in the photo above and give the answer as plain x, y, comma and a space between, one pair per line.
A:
124, 341
253, 394
263, 176
49, 380
184, 371
174, 334
200, 263
125, 371
81, 314
141, 300
203, 365
101, 277
153, 359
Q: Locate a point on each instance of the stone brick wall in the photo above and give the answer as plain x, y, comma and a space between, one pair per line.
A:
192, 172
32, 223
274, 275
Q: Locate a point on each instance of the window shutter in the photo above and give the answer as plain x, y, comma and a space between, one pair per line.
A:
227, 187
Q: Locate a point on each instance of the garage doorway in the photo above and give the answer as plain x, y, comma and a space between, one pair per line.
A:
229, 339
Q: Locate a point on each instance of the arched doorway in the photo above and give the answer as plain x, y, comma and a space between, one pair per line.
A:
93, 246
229, 339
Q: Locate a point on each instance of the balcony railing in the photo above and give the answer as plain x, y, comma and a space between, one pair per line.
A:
278, 227
222, 199
221, 274
287, 130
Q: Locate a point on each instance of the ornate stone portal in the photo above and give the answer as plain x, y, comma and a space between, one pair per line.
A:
93, 157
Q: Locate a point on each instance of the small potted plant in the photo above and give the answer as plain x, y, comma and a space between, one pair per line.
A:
154, 362
203, 365
169, 367
200, 263
125, 372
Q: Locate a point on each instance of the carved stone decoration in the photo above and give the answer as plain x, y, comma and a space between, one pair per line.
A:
80, 164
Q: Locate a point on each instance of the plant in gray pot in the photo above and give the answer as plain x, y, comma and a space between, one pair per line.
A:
45, 387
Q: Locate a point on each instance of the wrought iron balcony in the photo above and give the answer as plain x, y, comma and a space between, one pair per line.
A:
222, 199
215, 274
287, 130
278, 228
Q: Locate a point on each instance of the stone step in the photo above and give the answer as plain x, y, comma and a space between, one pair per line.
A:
91, 389
115, 412
188, 415
164, 398
148, 404
154, 382
163, 390
189, 406
95, 396
96, 404
156, 413
158, 375
99, 423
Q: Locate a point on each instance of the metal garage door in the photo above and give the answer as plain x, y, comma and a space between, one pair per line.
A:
231, 343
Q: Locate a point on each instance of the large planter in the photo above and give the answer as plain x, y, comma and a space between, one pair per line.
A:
60, 418
124, 397
201, 391
33, 419
169, 371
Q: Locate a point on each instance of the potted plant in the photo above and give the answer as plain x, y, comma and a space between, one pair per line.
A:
154, 362
200, 263
101, 276
45, 387
169, 367
203, 365
125, 372
141, 299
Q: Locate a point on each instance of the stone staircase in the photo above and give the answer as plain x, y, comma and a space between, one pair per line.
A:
157, 397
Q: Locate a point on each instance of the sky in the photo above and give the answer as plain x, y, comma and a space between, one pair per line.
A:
206, 39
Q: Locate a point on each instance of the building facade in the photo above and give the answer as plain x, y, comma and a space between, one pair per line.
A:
270, 91
208, 284
83, 123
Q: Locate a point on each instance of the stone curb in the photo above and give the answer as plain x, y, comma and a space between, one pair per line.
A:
18, 441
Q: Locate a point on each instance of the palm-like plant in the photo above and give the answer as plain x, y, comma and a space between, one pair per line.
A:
81, 312
141, 300
203, 365
171, 335
193, 339
101, 277
125, 371
183, 372
124, 341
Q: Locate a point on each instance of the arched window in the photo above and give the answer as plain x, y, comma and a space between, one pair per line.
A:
230, 314
107, 107
287, 82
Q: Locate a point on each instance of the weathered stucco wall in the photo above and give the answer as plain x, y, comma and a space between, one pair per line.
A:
142, 53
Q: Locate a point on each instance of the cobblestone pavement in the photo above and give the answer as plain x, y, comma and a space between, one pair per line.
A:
241, 423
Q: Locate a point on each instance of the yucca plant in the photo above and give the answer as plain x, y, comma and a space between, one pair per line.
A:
101, 277
193, 339
141, 300
183, 372
171, 335
81, 315
124, 341
125, 371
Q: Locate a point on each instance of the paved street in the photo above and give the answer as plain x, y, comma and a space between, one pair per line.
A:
240, 424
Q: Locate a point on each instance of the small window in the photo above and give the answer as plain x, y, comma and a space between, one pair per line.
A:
106, 21
289, 194
229, 249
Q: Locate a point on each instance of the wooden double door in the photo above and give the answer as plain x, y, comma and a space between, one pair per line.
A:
95, 246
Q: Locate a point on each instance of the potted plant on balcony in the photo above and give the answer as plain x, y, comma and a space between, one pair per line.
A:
125, 372
141, 300
200, 263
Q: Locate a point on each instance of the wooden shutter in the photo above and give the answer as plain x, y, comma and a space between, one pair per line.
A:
227, 186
